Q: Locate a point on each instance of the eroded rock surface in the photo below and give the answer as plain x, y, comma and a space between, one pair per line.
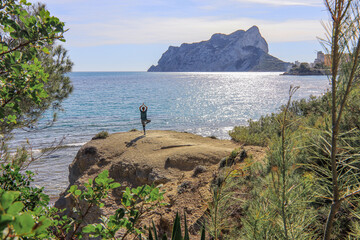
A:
161, 157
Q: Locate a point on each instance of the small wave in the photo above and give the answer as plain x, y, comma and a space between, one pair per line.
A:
75, 144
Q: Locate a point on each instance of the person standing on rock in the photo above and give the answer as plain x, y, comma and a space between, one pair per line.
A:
143, 110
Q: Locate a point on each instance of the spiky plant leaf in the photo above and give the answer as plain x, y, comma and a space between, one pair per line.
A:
203, 233
186, 231
150, 237
155, 232
176, 233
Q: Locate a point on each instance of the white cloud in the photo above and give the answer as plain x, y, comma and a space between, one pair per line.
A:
167, 22
285, 2
178, 30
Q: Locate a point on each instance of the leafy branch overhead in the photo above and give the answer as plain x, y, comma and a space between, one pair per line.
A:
23, 36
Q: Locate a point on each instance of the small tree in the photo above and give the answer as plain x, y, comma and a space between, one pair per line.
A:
32, 69
279, 206
53, 60
22, 75
338, 171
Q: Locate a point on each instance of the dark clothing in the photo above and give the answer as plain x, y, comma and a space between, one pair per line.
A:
143, 115
144, 122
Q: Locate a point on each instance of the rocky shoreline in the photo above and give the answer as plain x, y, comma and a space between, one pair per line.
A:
169, 158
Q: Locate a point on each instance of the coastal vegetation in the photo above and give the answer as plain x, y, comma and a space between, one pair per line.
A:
313, 158
101, 135
32, 65
32, 70
307, 187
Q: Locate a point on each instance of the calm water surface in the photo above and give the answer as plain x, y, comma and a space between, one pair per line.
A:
201, 103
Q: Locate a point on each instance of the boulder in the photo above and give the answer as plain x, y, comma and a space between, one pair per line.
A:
183, 163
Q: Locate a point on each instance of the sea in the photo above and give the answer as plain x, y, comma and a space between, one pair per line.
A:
207, 104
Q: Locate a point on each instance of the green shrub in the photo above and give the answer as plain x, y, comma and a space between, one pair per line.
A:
24, 213
134, 203
101, 135
307, 113
257, 132
11, 179
18, 223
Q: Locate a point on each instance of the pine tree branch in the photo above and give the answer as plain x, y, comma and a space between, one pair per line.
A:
351, 79
350, 195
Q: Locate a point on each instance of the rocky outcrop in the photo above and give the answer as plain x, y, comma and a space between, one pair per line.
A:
184, 163
240, 51
304, 69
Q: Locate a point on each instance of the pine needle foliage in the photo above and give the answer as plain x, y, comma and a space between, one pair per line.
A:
227, 190
278, 208
335, 152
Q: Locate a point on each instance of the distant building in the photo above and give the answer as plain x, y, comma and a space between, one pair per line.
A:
297, 63
320, 58
345, 58
327, 60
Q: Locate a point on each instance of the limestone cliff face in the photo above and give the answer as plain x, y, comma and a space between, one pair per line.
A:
240, 51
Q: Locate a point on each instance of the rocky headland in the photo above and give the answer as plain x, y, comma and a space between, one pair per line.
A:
161, 157
304, 69
240, 51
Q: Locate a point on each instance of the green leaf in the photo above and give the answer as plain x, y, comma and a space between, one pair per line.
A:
12, 119
24, 223
90, 182
115, 185
155, 232
15, 208
176, 232
99, 180
8, 198
77, 192
203, 233
45, 50
89, 229
73, 188
186, 230
104, 174
150, 237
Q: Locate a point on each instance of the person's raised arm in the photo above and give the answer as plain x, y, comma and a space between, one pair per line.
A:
143, 108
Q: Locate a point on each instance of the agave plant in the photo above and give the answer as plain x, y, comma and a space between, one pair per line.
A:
176, 231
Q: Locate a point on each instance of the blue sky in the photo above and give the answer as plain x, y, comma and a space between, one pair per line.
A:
131, 35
